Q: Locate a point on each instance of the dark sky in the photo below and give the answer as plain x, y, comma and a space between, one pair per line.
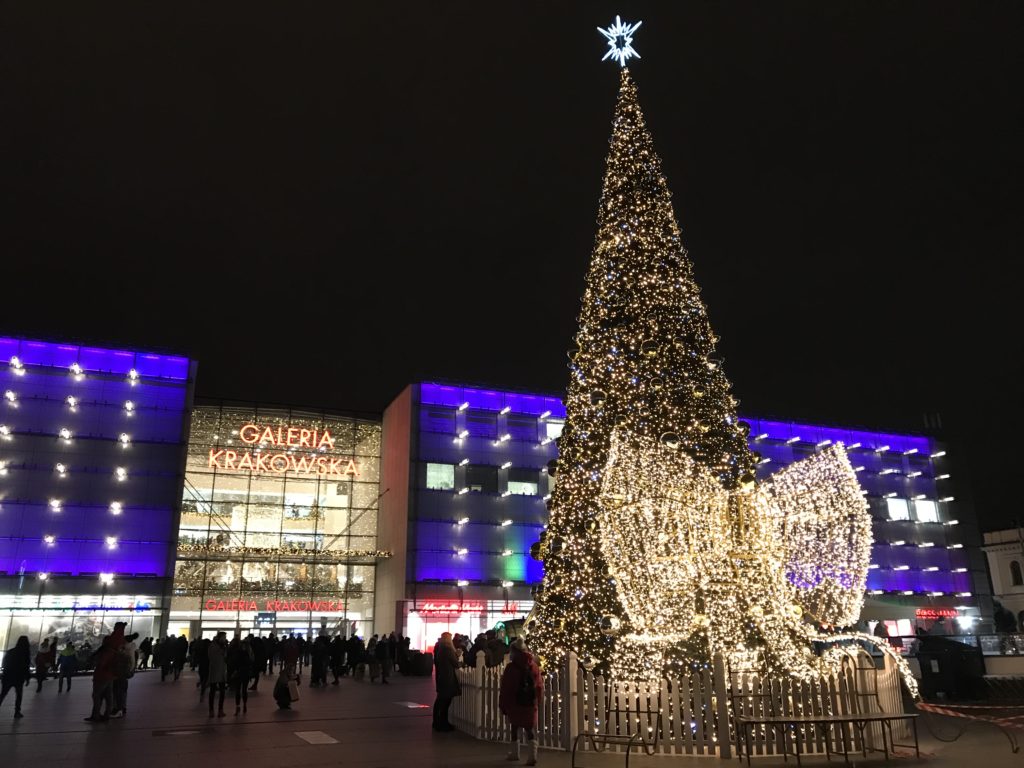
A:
323, 201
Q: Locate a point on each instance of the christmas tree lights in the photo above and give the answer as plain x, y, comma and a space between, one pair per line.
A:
662, 549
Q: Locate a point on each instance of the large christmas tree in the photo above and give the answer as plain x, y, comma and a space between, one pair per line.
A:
643, 361
662, 549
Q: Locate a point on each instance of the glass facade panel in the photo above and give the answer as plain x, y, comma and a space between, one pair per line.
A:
279, 517
441, 477
926, 510
898, 509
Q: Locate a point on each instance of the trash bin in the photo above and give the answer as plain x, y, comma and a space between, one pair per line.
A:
950, 670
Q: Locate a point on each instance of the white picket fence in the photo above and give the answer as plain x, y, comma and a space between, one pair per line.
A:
689, 716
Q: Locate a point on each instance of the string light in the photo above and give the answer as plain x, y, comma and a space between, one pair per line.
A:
661, 547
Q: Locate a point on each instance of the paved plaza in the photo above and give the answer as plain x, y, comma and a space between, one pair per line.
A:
354, 724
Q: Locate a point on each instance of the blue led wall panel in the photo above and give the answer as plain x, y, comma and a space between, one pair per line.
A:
91, 459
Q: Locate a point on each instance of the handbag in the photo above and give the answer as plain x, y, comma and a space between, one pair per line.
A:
293, 690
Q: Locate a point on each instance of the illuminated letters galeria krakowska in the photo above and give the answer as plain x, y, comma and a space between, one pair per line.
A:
283, 437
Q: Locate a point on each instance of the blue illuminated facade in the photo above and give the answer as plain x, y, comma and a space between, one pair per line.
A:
92, 450
462, 511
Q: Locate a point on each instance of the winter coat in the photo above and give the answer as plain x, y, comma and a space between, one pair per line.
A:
218, 663
520, 715
16, 665
240, 661
106, 656
445, 662
67, 662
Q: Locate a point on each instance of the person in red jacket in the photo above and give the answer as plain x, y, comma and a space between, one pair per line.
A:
521, 689
104, 673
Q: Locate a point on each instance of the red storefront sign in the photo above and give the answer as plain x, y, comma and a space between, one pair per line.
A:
936, 613
297, 606
288, 438
455, 608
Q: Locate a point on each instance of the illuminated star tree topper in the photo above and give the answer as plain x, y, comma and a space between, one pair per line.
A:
620, 41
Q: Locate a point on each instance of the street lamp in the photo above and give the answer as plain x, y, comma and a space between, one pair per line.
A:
106, 579
42, 576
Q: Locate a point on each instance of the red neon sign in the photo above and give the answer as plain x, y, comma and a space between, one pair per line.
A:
936, 613
302, 606
455, 608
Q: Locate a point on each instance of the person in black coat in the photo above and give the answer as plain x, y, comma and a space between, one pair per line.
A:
16, 672
259, 660
338, 646
446, 682
383, 654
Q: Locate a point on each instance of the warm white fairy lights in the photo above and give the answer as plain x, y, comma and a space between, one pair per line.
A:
661, 548
700, 569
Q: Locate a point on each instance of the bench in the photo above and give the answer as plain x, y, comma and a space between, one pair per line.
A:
790, 726
598, 741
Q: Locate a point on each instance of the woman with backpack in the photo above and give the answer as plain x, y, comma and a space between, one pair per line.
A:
521, 689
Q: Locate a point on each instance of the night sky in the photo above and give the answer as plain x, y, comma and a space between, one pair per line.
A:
324, 201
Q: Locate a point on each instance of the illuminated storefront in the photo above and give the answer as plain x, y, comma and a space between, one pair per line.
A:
278, 525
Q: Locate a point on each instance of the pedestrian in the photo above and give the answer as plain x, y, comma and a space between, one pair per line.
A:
45, 659
240, 664
446, 682
282, 692
289, 650
203, 665
145, 651
338, 646
355, 654
180, 655
521, 689
67, 665
217, 653
165, 656
103, 674
259, 660
495, 649
16, 672
271, 646
124, 670
371, 658
321, 658
383, 652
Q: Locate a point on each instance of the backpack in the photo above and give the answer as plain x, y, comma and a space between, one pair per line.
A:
526, 691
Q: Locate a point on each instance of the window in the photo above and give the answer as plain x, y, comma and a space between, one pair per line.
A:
522, 482
927, 511
898, 509
482, 425
482, 478
553, 428
437, 420
441, 477
522, 427
1016, 578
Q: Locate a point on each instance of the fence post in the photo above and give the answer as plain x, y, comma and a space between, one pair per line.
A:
567, 708
720, 687
480, 703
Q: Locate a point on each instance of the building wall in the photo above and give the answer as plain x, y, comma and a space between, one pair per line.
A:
1003, 549
393, 525
470, 538
278, 528
92, 446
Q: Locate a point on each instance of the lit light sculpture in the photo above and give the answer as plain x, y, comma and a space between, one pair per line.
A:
661, 548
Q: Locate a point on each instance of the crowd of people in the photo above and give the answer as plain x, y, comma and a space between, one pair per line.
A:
236, 666
521, 684
221, 666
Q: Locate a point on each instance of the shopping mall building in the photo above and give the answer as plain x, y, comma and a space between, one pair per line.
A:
121, 499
